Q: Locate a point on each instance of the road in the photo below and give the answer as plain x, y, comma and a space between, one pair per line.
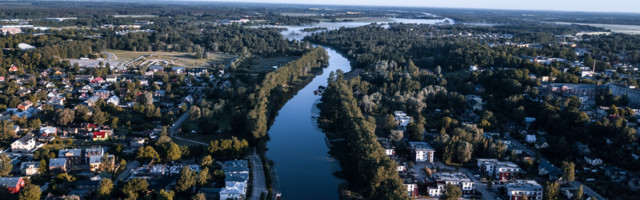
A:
259, 182
587, 190
127, 171
174, 128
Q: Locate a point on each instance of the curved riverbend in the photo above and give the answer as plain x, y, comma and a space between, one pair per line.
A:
297, 146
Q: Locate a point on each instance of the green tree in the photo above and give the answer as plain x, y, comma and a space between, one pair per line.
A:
6, 130
414, 131
166, 195
579, 193
104, 191
452, 192
206, 161
134, 188
5, 164
551, 191
186, 180
173, 152
198, 196
390, 122
204, 176
569, 171
30, 192
65, 116
42, 166
147, 153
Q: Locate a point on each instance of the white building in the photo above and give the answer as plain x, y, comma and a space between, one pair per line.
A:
236, 179
115, 100
499, 170
422, 151
402, 119
24, 144
30, 168
517, 189
440, 181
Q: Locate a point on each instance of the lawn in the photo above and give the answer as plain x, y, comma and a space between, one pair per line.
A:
260, 64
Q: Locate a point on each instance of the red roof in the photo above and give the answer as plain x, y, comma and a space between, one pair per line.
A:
99, 135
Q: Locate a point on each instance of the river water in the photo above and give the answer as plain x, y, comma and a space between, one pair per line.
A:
304, 168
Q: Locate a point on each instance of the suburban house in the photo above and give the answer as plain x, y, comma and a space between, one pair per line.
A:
402, 119
410, 182
520, 188
475, 102
96, 162
592, 160
422, 151
30, 168
24, 144
236, 179
100, 136
74, 155
503, 171
115, 100
48, 130
12, 184
546, 168
58, 164
111, 78
137, 142
84, 77
436, 185
25, 105
93, 151
389, 149
531, 138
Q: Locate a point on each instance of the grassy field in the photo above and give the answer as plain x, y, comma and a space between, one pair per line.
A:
258, 65
176, 58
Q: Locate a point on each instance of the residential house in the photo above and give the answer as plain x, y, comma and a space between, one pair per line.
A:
178, 70
475, 102
592, 160
73, 155
12, 184
156, 68
24, 144
115, 100
30, 168
25, 105
84, 77
93, 151
48, 130
197, 71
616, 174
58, 164
402, 119
531, 138
96, 163
436, 185
111, 78
85, 89
524, 188
422, 151
499, 170
92, 101
137, 142
236, 179
100, 136
103, 94
410, 182
389, 149
541, 143
546, 168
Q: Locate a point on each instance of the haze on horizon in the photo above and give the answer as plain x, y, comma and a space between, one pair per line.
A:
632, 6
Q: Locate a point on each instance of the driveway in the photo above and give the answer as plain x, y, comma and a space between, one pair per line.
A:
259, 182
127, 171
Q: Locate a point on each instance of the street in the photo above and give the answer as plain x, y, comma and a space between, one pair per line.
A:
259, 182
127, 171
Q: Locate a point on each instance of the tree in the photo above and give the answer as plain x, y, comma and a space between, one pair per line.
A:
198, 196
396, 135
147, 153
452, 192
6, 130
5, 164
42, 166
104, 192
65, 116
148, 98
415, 130
99, 117
206, 161
173, 152
569, 171
194, 113
134, 188
551, 191
204, 176
30, 192
390, 122
579, 194
186, 180
166, 195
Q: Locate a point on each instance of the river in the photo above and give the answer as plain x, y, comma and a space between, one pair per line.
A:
304, 168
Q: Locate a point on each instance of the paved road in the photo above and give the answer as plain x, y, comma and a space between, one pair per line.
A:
174, 128
259, 182
127, 171
587, 190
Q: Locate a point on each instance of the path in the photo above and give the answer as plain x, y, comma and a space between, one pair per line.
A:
259, 182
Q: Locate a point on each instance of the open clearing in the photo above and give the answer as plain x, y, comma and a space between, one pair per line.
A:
174, 58
258, 65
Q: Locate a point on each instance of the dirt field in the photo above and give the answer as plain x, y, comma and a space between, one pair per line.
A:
174, 58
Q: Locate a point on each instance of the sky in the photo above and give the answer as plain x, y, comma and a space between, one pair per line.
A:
564, 5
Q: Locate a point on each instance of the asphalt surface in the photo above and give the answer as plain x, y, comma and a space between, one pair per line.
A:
259, 181
127, 171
